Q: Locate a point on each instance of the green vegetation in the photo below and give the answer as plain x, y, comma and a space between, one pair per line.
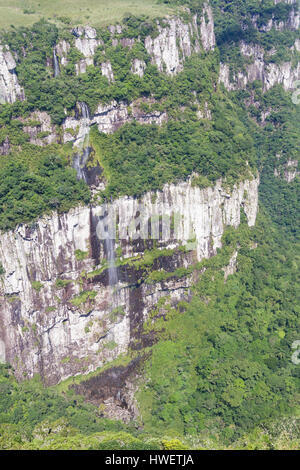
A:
217, 149
160, 276
81, 255
94, 12
27, 193
83, 297
232, 382
116, 313
110, 345
64, 386
234, 22
55, 95
65, 360
219, 373
247, 20
279, 142
222, 366
32, 416
50, 309
37, 285
62, 283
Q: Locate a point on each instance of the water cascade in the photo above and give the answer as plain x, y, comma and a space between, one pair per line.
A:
56, 64
109, 245
79, 162
81, 158
85, 113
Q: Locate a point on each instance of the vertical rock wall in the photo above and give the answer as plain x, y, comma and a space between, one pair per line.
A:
60, 316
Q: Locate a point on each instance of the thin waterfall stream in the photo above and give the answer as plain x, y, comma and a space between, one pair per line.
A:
111, 259
56, 64
81, 158
109, 241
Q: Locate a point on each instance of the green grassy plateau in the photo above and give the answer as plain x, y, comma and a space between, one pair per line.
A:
94, 12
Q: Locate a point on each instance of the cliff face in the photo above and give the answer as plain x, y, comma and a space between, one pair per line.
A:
289, 171
10, 89
178, 40
175, 41
269, 74
42, 134
108, 117
292, 23
71, 301
259, 66
66, 309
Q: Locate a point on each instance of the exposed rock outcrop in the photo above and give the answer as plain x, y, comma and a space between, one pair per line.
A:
292, 23
107, 71
232, 266
109, 117
86, 42
173, 44
207, 29
289, 171
177, 41
294, 18
62, 49
60, 316
40, 129
204, 112
114, 389
138, 67
269, 74
10, 90
5, 147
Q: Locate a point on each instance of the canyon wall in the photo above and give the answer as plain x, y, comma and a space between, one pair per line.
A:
259, 64
270, 74
65, 307
174, 42
10, 89
61, 315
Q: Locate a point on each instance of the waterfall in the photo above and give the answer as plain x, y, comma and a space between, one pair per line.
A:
80, 159
109, 249
109, 245
85, 112
56, 64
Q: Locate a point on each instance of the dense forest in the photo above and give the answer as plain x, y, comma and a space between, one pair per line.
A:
219, 373
231, 383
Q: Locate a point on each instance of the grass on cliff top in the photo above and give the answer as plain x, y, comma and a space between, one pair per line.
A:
94, 12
